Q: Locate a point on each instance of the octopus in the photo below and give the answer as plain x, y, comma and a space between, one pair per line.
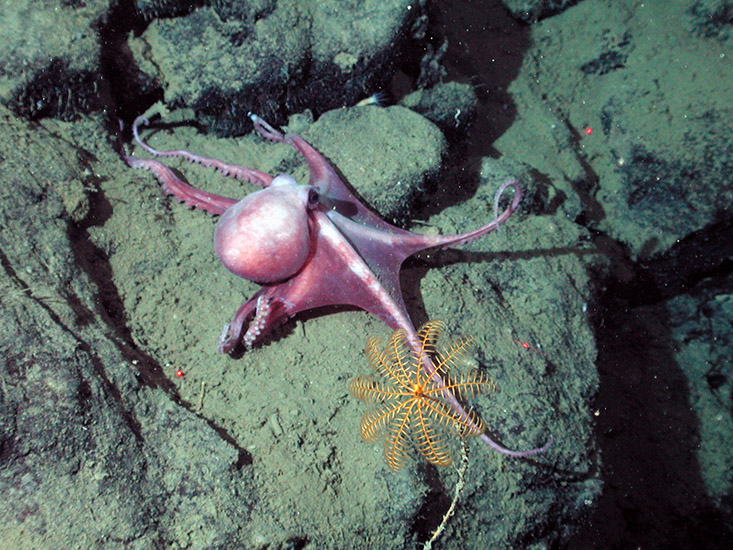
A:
311, 246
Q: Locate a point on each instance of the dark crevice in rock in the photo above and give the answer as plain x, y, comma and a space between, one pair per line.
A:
643, 386
129, 88
701, 256
58, 91
83, 345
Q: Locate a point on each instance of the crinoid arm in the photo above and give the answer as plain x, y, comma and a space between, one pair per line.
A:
429, 437
467, 425
469, 384
369, 390
449, 356
391, 363
397, 435
427, 338
375, 421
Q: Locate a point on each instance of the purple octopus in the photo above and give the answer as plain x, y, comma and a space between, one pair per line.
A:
310, 246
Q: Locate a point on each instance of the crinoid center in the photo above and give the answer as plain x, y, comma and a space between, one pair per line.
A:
265, 237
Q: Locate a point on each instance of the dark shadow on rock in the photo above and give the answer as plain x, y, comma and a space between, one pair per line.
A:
485, 48
654, 495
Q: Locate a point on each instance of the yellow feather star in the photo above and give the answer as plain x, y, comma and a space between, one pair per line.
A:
407, 402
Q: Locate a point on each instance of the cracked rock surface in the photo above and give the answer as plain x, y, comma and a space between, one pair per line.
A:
602, 309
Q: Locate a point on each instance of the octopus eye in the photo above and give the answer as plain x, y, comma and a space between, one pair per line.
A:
313, 198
